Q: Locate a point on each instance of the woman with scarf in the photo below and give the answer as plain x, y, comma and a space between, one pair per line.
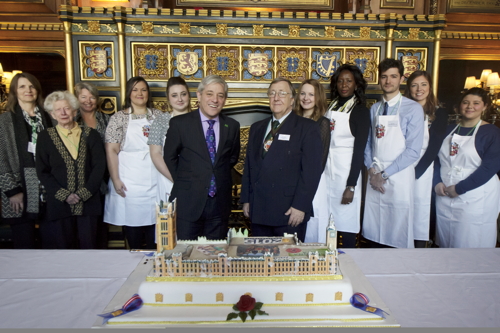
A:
19, 129
350, 126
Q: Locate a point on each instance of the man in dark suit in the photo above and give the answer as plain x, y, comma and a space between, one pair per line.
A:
282, 167
201, 148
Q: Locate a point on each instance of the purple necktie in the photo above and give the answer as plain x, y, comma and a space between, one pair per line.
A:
210, 139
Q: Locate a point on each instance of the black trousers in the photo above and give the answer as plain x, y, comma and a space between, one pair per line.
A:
70, 233
211, 223
260, 230
140, 237
23, 232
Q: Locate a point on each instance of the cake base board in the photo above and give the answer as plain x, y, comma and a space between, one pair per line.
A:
343, 316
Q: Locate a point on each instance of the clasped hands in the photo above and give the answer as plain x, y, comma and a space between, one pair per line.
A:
376, 181
449, 191
296, 216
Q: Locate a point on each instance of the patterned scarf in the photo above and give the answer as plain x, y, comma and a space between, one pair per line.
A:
347, 107
36, 125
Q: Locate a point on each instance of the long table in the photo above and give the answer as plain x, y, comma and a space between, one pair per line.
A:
421, 287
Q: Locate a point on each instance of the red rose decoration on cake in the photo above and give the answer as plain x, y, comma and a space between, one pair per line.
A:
293, 250
246, 306
246, 303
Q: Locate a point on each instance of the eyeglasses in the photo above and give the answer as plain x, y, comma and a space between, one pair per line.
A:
280, 93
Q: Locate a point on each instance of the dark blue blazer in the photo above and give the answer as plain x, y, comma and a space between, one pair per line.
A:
187, 158
288, 175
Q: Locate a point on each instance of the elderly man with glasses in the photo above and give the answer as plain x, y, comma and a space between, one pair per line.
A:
282, 167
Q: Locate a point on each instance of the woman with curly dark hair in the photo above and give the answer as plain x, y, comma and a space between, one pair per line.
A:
349, 125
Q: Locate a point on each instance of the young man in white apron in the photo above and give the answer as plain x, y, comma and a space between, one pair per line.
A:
393, 147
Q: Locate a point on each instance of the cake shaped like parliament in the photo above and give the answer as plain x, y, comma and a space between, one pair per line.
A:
199, 282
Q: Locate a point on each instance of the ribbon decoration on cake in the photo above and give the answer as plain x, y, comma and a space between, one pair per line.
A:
360, 301
134, 303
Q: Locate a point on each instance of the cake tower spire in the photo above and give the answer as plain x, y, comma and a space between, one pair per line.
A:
331, 235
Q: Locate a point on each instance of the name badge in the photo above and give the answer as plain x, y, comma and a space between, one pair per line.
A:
284, 137
31, 147
392, 123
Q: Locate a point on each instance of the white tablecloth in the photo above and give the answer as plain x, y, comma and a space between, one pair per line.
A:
422, 287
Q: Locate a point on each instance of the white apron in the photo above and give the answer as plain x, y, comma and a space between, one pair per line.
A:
422, 194
469, 220
138, 173
316, 226
388, 217
164, 184
346, 217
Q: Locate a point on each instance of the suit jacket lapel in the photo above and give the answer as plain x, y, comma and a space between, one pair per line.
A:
201, 136
277, 145
223, 134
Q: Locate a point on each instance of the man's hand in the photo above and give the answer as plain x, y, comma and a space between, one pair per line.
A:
376, 181
73, 199
347, 197
246, 209
296, 216
16, 202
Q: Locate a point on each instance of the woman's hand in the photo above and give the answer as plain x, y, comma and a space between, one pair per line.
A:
440, 190
347, 196
451, 192
73, 199
120, 187
17, 203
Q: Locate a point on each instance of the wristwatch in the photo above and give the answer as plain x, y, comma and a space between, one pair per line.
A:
351, 188
384, 175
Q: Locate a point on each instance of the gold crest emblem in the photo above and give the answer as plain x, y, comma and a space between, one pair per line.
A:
257, 64
98, 61
187, 62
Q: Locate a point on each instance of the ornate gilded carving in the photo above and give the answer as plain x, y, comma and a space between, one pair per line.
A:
107, 104
310, 297
158, 298
188, 64
244, 134
185, 28
94, 27
414, 33
150, 61
147, 27
96, 61
224, 62
294, 31
219, 297
329, 32
279, 297
221, 29
434, 7
326, 64
258, 30
367, 61
364, 32
413, 59
189, 297
293, 63
338, 296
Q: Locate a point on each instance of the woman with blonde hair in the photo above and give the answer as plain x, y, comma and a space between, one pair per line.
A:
310, 102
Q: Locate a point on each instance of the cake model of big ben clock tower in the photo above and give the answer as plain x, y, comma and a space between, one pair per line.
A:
331, 235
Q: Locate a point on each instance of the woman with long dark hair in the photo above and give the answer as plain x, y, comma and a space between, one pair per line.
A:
179, 103
468, 188
419, 88
130, 201
19, 129
350, 125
